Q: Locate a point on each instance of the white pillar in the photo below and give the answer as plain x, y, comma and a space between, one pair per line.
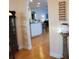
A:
55, 39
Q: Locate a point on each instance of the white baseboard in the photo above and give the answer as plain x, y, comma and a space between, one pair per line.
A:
20, 47
55, 54
29, 47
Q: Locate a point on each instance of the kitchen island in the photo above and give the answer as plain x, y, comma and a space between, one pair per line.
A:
36, 29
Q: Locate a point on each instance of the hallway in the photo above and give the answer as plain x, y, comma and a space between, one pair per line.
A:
40, 49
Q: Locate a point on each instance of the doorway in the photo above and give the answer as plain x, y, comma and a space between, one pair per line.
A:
39, 24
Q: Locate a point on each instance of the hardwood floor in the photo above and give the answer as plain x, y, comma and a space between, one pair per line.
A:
40, 49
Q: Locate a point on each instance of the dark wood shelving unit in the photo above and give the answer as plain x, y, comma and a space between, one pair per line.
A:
13, 47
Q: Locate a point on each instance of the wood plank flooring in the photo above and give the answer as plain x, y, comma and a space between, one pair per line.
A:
40, 49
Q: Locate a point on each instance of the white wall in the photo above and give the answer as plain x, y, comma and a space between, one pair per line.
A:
22, 22
56, 43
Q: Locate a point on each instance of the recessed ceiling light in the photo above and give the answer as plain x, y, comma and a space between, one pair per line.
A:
31, 0
38, 3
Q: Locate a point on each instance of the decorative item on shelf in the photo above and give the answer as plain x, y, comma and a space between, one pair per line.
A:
62, 10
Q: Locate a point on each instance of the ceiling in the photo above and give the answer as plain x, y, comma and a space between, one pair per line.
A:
38, 4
